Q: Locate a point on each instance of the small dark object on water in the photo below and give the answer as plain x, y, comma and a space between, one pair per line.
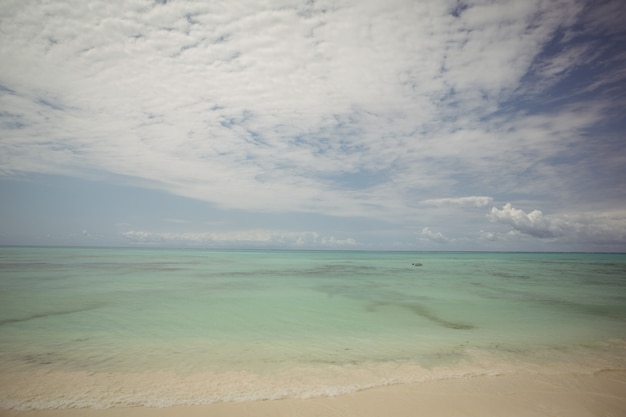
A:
416, 264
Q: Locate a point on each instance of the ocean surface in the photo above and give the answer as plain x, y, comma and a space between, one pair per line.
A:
158, 327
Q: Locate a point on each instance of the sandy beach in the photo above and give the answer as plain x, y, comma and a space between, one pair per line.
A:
573, 395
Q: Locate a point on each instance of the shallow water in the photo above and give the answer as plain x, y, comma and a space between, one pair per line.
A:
224, 325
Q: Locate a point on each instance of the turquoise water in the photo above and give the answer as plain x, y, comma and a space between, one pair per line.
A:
195, 326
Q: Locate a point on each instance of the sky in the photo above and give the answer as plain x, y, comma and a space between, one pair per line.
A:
438, 125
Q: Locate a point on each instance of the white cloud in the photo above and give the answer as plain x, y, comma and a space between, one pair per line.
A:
262, 238
488, 235
348, 108
243, 106
607, 228
431, 236
533, 223
473, 201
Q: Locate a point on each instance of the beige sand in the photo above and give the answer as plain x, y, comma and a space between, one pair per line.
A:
569, 395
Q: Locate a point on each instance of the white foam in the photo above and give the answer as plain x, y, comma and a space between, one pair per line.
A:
22, 390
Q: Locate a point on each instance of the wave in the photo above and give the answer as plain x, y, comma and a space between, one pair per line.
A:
25, 390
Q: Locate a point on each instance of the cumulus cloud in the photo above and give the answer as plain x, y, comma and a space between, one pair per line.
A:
608, 228
488, 235
436, 237
533, 223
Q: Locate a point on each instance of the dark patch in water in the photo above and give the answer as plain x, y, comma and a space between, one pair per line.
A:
610, 307
324, 270
48, 314
509, 275
424, 312
613, 311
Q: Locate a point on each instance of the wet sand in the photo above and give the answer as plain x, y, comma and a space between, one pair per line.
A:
573, 395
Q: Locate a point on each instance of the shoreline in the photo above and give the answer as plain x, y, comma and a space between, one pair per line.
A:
601, 393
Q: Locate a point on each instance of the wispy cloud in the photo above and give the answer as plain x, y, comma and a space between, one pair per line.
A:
246, 238
474, 201
350, 108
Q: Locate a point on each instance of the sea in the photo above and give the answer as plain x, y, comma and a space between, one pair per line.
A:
122, 327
